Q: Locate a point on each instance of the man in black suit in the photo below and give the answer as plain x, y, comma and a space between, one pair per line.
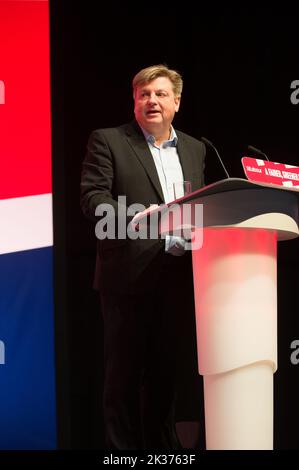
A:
145, 284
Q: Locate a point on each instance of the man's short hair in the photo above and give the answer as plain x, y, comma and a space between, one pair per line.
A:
155, 71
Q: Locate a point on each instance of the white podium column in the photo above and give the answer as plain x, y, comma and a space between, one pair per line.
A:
236, 309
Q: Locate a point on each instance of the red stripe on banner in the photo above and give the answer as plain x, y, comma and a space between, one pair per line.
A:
25, 127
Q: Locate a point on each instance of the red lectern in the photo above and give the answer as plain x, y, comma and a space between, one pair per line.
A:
235, 292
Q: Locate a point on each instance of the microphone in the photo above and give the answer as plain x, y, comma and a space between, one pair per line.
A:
257, 151
207, 142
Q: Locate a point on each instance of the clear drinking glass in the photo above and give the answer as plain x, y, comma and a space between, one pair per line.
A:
181, 188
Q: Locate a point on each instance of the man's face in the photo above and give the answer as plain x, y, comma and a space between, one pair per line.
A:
155, 105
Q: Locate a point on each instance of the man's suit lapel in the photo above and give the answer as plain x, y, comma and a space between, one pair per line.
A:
140, 147
185, 158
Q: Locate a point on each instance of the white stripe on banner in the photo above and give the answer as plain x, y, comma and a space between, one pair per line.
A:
26, 223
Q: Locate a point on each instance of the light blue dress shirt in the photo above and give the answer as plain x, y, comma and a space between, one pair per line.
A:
169, 170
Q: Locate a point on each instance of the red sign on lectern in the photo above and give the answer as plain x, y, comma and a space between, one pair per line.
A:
278, 174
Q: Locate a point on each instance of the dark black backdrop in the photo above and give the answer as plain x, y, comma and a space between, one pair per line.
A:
237, 67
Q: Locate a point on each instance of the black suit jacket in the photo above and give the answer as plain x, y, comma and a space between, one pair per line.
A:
118, 162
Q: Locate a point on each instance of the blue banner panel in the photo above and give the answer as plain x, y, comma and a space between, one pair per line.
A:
27, 375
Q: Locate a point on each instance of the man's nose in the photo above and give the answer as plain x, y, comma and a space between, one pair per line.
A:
152, 98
